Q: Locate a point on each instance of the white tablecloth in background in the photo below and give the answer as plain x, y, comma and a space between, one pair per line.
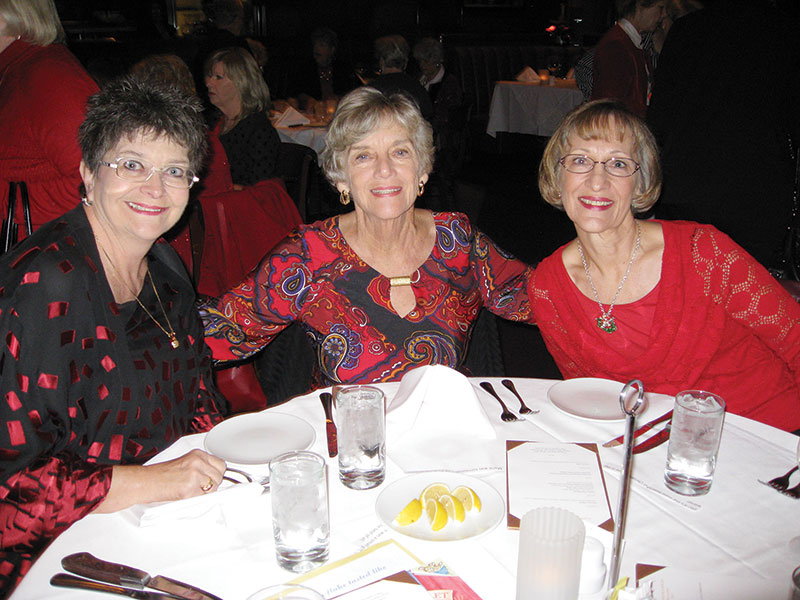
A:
313, 137
531, 108
740, 528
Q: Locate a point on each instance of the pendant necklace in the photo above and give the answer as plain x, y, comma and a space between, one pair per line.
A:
605, 321
173, 339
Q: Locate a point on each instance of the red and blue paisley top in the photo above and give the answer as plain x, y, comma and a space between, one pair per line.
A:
315, 278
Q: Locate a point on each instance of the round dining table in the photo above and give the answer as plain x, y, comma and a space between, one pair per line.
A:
740, 529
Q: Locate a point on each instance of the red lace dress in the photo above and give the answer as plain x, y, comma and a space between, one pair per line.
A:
717, 321
314, 277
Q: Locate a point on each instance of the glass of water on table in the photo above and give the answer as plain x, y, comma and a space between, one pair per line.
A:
360, 415
694, 439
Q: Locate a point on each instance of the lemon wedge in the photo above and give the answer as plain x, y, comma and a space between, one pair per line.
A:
468, 498
410, 513
433, 492
453, 506
437, 515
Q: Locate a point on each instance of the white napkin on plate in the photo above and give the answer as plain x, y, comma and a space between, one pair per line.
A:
291, 117
206, 506
436, 422
527, 74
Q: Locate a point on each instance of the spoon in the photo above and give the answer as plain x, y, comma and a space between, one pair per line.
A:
523, 409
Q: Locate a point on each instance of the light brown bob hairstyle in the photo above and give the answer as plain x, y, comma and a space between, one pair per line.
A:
242, 69
604, 120
363, 111
35, 21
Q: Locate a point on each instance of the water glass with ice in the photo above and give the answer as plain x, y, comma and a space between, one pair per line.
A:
299, 489
694, 441
360, 415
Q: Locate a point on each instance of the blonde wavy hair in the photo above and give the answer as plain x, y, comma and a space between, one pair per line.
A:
242, 69
603, 120
35, 21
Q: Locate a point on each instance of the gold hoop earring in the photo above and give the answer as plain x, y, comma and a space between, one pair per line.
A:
344, 197
421, 188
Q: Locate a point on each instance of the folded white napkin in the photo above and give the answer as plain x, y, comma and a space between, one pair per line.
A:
291, 117
527, 74
436, 422
207, 506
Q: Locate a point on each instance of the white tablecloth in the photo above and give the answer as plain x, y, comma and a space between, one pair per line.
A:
530, 108
740, 528
313, 137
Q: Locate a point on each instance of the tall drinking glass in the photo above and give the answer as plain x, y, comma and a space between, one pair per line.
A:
360, 415
694, 439
299, 488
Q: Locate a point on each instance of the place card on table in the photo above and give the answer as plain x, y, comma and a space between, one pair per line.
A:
358, 570
565, 475
433, 581
664, 583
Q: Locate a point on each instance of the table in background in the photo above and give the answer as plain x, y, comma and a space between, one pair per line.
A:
532, 108
740, 528
311, 136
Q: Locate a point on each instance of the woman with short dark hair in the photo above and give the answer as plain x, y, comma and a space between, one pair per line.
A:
103, 364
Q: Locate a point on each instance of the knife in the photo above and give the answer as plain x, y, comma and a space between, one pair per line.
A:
86, 565
653, 441
70, 581
330, 426
617, 441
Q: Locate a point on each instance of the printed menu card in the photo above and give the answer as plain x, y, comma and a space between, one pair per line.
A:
564, 475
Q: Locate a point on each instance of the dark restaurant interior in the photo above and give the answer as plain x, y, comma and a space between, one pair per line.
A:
491, 179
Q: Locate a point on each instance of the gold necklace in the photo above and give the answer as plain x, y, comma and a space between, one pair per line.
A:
173, 339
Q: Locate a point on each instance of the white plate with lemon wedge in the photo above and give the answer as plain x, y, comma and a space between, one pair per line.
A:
462, 507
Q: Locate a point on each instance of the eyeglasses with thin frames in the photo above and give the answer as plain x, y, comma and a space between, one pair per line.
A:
581, 164
134, 169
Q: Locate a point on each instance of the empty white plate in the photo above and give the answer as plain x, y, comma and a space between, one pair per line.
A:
257, 438
588, 398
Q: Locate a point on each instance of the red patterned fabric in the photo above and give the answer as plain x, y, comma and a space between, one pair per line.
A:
42, 102
722, 323
88, 384
314, 277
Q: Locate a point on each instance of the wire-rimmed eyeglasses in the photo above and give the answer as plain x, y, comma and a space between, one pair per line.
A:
581, 164
134, 169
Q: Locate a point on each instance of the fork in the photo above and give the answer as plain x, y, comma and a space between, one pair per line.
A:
781, 483
522, 408
793, 492
506, 415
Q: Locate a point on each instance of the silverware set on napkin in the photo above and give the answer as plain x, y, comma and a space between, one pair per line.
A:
507, 415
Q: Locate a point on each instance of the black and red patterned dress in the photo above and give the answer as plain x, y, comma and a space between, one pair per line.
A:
315, 278
86, 383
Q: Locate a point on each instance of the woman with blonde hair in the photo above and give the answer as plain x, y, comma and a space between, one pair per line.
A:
238, 90
675, 304
43, 93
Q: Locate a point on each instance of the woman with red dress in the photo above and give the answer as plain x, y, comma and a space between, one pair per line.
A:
384, 288
43, 93
675, 304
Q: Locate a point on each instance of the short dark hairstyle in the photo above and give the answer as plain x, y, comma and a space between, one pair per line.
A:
128, 107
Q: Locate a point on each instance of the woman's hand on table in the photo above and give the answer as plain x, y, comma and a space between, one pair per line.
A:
192, 474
